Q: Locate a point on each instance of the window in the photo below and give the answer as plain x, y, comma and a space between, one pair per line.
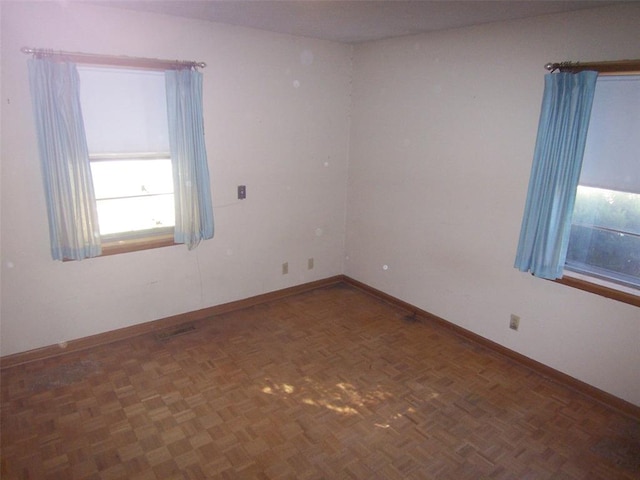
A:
128, 143
125, 120
605, 231
581, 225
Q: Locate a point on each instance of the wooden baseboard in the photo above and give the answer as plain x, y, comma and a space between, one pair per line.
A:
601, 396
161, 324
148, 327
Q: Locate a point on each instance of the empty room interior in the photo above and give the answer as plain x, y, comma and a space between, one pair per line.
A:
353, 315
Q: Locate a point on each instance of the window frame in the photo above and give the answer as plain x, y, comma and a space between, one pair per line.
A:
148, 242
125, 242
589, 284
583, 281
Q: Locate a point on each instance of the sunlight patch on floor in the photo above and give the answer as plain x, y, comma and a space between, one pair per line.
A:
342, 397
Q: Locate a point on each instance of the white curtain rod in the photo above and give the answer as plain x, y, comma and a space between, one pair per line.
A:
114, 60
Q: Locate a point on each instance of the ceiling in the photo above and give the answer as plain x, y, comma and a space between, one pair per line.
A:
353, 21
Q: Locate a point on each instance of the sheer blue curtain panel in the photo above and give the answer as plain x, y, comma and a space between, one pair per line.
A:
557, 161
192, 189
64, 158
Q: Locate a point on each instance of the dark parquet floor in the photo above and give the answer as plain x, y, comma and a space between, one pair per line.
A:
328, 384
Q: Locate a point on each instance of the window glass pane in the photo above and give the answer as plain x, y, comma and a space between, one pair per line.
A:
605, 235
124, 111
127, 178
135, 214
605, 231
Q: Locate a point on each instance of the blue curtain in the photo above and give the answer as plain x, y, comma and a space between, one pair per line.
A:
557, 161
192, 190
64, 156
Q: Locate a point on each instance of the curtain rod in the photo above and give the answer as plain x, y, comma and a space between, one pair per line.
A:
114, 60
617, 66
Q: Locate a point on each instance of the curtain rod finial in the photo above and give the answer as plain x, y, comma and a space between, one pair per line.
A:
549, 66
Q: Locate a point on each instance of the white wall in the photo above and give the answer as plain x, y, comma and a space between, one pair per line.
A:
442, 137
288, 143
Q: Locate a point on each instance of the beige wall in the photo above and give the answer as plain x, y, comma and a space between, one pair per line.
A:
288, 143
443, 131
438, 155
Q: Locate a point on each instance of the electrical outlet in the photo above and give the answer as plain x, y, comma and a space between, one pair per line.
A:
285, 268
514, 322
310, 264
242, 192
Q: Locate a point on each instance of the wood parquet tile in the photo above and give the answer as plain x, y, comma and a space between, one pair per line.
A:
328, 384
